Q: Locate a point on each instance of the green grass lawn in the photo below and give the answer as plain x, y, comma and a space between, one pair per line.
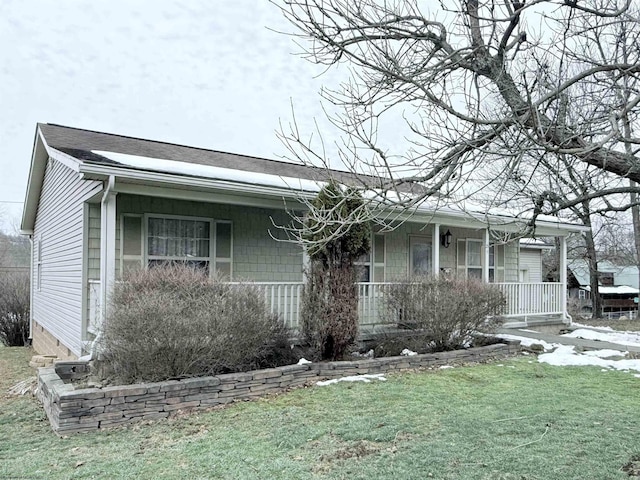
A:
517, 421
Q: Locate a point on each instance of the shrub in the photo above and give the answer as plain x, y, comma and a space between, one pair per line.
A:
444, 313
174, 322
14, 309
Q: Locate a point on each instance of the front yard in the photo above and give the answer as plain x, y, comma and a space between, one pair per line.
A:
516, 419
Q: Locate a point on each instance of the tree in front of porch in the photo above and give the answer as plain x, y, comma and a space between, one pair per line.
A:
334, 242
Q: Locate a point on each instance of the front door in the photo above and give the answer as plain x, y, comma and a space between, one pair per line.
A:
420, 256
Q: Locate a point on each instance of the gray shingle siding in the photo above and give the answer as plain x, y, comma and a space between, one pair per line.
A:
57, 304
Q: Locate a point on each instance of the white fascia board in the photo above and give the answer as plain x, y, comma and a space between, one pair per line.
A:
67, 160
34, 182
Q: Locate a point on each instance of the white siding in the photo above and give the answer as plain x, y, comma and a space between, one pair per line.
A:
531, 260
57, 304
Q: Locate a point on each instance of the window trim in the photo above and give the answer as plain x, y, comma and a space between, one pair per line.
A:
464, 265
371, 263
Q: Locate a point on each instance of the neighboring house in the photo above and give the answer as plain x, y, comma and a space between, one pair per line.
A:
530, 266
97, 204
617, 286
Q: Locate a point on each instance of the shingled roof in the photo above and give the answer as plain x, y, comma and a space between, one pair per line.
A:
81, 144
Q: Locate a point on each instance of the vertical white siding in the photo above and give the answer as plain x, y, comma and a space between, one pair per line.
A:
57, 304
531, 260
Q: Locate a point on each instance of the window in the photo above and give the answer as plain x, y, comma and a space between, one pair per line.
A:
469, 253
375, 268
162, 239
496, 263
420, 254
582, 294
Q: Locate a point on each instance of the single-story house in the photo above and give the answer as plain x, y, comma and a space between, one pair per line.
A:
97, 204
617, 286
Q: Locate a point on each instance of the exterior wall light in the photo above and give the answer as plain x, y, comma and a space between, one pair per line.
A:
445, 240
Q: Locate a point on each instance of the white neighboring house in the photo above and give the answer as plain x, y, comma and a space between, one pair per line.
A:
98, 204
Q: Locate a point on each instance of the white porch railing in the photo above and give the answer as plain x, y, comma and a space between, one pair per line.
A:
282, 298
523, 300
530, 299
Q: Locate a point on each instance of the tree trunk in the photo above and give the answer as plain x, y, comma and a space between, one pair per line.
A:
596, 301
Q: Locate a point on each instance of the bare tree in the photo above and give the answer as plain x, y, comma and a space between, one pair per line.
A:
480, 87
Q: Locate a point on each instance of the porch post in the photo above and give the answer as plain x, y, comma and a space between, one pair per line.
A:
485, 263
107, 246
435, 249
563, 276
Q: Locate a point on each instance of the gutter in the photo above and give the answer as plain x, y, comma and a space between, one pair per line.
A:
238, 188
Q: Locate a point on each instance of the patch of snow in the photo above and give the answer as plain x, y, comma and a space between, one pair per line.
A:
621, 338
582, 325
527, 341
354, 378
208, 171
565, 355
303, 361
604, 353
444, 367
408, 353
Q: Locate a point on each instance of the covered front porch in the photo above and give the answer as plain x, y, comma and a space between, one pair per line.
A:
140, 227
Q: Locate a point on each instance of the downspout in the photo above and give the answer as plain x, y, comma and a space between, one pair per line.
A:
31, 287
103, 264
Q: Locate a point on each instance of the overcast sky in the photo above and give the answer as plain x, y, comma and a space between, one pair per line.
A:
201, 73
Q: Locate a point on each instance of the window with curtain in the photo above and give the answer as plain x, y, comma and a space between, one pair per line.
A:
198, 242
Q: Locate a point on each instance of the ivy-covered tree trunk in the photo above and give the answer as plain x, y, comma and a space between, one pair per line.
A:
329, 313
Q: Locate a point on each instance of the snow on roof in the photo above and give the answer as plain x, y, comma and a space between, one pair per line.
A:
208, 171
153, 164
617, 290
534, 243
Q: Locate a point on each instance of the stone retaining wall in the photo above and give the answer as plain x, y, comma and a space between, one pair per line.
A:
72, 410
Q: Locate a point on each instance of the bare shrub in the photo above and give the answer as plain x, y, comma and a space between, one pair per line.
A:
329, 314
444, 313
173, 322
14, 309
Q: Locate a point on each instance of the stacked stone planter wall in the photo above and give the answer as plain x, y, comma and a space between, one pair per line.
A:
72, 410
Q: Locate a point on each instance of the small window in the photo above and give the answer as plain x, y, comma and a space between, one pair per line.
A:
474, 259
420, 254
470, 256
371, 265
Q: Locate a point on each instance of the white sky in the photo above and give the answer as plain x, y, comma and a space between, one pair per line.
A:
199, 73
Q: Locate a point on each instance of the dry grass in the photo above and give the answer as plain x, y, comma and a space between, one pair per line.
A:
527, 422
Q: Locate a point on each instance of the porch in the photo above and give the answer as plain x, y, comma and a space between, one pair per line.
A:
526, 302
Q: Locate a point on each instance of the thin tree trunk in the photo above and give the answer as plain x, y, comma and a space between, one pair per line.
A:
592, 259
